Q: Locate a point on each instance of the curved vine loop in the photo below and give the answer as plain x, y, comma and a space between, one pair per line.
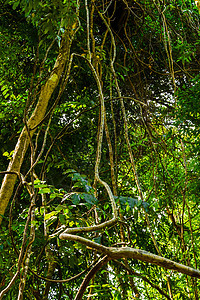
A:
114, 220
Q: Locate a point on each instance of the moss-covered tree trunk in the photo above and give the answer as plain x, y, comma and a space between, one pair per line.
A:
37, 116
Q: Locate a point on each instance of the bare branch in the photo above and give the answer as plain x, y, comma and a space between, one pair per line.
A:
128, 252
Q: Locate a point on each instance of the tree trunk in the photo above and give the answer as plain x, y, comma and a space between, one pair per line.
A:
38, 114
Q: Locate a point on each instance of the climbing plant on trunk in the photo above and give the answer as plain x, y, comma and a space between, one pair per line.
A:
103, 180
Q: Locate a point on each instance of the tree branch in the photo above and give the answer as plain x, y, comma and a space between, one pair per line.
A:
128, 252
90, 275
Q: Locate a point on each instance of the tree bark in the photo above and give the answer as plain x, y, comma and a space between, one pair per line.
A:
128, 252
37, 116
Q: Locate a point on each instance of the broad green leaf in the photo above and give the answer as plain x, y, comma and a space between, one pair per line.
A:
62, 219
44, 191
75, 199
89, 198
51, 214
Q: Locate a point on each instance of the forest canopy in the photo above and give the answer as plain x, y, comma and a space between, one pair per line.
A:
99, 149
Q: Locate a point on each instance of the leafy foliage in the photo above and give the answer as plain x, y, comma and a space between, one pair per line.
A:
143, 57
